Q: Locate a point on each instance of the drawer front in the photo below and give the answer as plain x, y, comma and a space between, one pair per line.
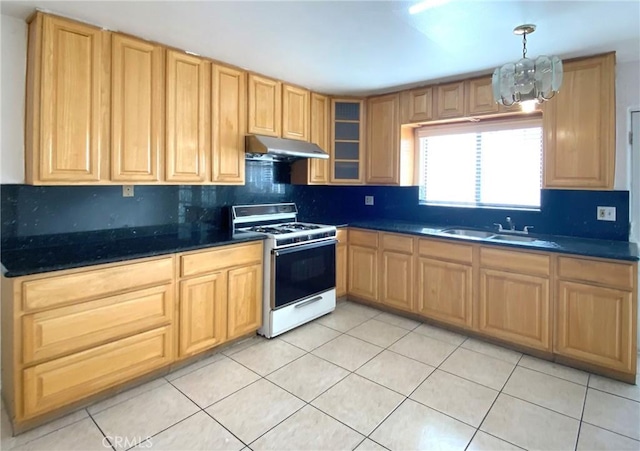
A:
220, 258
69, 329
399, 243
441, 250
97, 283
619, 275
342, 236
362, 238
54, 384
515, 261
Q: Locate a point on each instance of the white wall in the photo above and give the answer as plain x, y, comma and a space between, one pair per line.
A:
627, 97
13, 40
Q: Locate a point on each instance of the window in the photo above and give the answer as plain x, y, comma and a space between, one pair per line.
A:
493, 164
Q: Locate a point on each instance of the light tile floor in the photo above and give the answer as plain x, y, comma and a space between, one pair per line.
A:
357, 379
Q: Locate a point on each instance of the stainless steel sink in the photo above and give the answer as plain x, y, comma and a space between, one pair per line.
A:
469, 233
516, 238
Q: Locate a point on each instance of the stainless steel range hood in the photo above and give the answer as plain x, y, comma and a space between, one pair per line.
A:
268, 147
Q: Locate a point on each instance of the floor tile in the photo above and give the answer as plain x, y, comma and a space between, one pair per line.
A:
530, 426
308, 376
378, 333
254, 410
508, 355
397, 320
213, 382
612, 412
126, 395
347, 352
343, 319
440, 334
268, 356
547, 391
616, 387
360, 309
369, 445
593, 438
310, 336
395, 371
82, 436
199, 432
358, 403
554, 369
194, 366
308, 429
143, 416
7, 441
416, 427
485, 442
479, 368
242, 344
422, 348
462, 399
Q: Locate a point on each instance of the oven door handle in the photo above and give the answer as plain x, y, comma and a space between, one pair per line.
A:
304, 247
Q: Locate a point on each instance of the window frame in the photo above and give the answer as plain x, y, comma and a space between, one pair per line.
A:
495, 124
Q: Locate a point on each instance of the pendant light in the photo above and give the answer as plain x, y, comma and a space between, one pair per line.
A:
527, 82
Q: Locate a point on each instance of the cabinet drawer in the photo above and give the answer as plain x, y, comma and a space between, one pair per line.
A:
515, 261
59, 382
619, 275
69, 329
399, 243
445, 251
97, 283
362, 238
342, 236
220, 258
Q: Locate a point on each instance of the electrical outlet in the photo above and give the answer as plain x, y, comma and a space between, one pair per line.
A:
606, 213
368, 200
127, 190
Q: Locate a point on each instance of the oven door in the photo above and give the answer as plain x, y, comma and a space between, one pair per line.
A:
301, 271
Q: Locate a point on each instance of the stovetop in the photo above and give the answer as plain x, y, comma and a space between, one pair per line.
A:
283, 229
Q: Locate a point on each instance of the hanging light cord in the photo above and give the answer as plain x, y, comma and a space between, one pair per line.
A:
524, 45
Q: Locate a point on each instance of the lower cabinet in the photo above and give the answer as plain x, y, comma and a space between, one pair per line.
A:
363, 272
244, 300
341, 263
396, 287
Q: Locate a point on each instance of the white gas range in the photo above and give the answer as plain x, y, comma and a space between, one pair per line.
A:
299, 265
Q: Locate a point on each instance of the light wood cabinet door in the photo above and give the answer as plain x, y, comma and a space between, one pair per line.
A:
295, 113
396, 283
480, 97
60, 382
244, 311
596, 325
188, 117
265, 106
363, 272
341, 270
229, 123
450, 100
515, 307
416, 105
445, 291
347, 141
315, 171
67, 115
203, 313
137, 108
383, 142
579, 127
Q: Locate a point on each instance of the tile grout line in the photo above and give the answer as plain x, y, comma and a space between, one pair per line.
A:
584, 403
613, 432
161, 431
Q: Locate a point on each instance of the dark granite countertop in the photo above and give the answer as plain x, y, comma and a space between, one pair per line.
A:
66, 251
619, 250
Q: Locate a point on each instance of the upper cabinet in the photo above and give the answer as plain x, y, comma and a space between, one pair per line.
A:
383, 142
315, 171
479, 98
416, 105
295, 113
229, 119
265, 106
137, 108
347, 141
579, 127
450, 100
67, 113
188, 117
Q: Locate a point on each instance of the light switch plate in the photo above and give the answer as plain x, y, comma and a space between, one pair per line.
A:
127, 190
368, 200
606, 213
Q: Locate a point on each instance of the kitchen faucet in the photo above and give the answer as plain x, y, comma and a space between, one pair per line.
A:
512, 227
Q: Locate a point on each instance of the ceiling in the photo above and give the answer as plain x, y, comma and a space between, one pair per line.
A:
364, 47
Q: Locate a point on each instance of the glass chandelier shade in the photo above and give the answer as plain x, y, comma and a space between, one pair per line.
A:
530, 81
